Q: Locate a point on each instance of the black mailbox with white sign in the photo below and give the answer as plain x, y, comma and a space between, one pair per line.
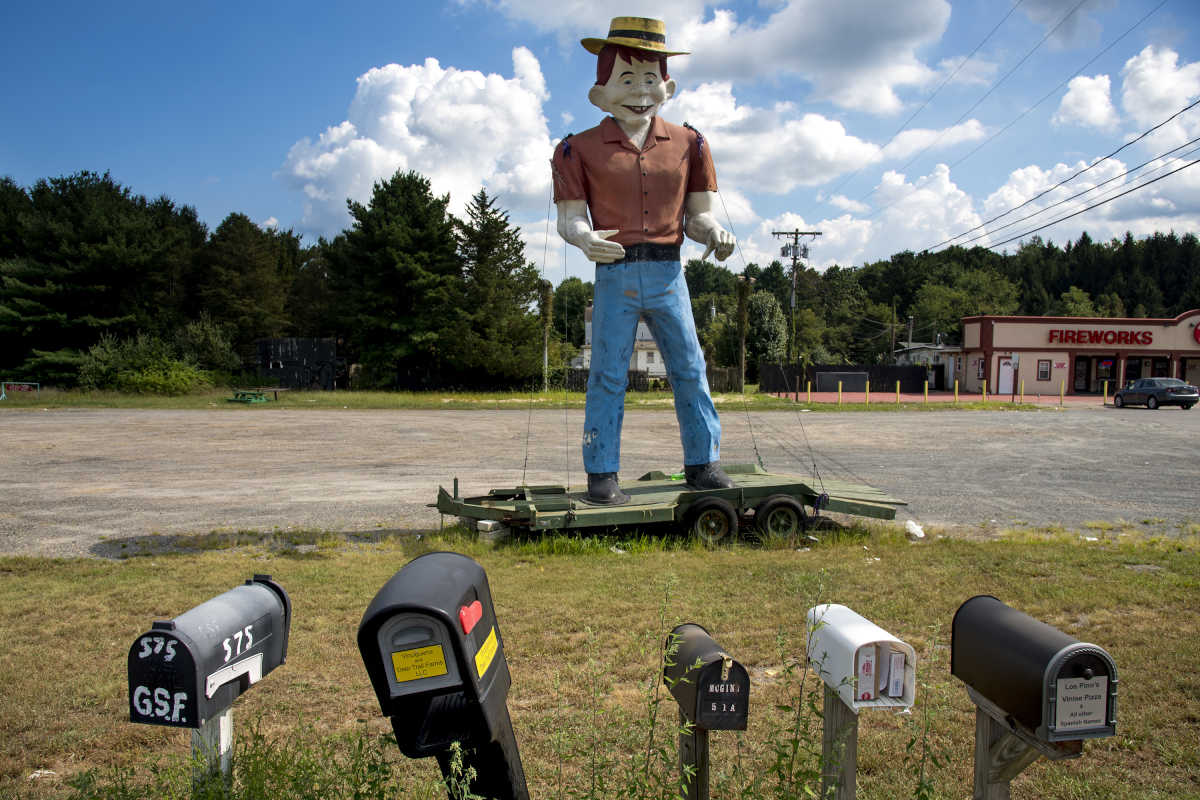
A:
1056, 687
187, 670
713, 690
432, 648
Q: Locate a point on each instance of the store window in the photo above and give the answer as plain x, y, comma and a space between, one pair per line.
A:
1104, 369
979, 369
1043, 369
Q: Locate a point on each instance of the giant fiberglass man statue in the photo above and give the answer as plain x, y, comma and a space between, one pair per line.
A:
627, 192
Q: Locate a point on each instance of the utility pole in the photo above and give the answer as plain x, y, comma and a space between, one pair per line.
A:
797, 251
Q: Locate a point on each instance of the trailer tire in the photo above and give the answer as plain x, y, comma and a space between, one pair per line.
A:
780, 517
711, 519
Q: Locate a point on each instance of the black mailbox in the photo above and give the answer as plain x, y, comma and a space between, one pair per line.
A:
433, 650
187, 670
1057, 688
714, 695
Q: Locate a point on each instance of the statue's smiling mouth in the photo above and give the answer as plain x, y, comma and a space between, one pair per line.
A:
639, 109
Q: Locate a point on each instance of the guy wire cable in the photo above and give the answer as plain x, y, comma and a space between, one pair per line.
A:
745, 407
542, 295
1079, 194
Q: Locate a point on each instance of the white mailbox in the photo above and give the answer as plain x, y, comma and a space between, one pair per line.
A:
863, 663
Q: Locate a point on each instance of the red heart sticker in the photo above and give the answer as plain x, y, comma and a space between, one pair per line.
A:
470, 615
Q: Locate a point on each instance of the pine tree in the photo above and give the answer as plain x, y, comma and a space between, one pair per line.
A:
495, 336
396, 279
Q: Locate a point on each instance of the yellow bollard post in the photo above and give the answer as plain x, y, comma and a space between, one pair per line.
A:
810, 392
1106, 393
985, 390
1062, 390
956, 391
1022, 390
839, 393
897, 392
867, 394
926, 392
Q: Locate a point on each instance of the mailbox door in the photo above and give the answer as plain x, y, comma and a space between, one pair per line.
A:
722, 699
163, 688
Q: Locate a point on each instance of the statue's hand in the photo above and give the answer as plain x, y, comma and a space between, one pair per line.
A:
596, 247
721, 241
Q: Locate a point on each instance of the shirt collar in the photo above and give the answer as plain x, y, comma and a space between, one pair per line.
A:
613, 134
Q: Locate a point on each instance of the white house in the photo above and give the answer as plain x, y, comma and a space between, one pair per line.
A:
646, 357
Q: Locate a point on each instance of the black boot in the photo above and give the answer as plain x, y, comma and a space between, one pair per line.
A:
707, 476
604, 491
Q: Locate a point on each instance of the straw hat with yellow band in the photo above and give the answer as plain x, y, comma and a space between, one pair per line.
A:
638, 33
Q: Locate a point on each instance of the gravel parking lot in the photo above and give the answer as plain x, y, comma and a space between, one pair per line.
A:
78, 482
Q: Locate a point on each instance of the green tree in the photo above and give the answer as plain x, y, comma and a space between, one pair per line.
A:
766, 337
396, 277
92, 259
571, 299
1075, 302
493, 336
245, 279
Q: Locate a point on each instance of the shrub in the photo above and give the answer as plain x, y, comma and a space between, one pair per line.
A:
142, 365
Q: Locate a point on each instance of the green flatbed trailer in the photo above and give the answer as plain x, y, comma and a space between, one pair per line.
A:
775, 504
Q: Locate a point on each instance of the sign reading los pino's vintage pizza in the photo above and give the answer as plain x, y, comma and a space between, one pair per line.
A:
1078, 336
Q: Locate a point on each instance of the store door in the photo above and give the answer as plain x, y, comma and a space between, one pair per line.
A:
1133, 370
1083, 367
1004, 381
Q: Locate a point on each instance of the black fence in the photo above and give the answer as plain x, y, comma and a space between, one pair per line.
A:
780, 378
719, 380
298, 363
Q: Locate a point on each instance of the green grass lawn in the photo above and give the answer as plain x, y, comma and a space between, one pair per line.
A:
219, 399
583, 621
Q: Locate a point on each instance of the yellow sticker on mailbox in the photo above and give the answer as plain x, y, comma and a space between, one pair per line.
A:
420, 662
487, 652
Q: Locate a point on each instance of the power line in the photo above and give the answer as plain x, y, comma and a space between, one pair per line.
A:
996, 85
1053, 91
1077, 195
1091, 166
1022, 115
1094, 205
929, 99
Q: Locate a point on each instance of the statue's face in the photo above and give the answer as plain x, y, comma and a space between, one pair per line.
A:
634, 91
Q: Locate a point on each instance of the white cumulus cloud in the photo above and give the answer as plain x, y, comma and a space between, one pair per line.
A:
1088, 102
855, 53
460, 128
777, 149
1154, 87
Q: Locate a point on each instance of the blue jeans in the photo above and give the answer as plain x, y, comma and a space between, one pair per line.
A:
656, 291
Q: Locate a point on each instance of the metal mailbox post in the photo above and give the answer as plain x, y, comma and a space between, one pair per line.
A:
187, 671
1037, 691
713, 693
863, 666
432, 648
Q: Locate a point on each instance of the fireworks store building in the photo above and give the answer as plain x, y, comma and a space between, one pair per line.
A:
1077, 354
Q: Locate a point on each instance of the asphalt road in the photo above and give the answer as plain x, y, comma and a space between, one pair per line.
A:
80, 482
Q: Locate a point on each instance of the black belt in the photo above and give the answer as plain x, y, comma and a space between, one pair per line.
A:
649, 251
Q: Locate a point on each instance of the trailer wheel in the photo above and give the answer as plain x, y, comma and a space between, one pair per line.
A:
711, 519
779, 517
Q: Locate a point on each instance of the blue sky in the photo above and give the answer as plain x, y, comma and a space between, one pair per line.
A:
281, 111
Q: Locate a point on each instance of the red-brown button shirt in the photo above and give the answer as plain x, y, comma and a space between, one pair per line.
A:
640, 193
